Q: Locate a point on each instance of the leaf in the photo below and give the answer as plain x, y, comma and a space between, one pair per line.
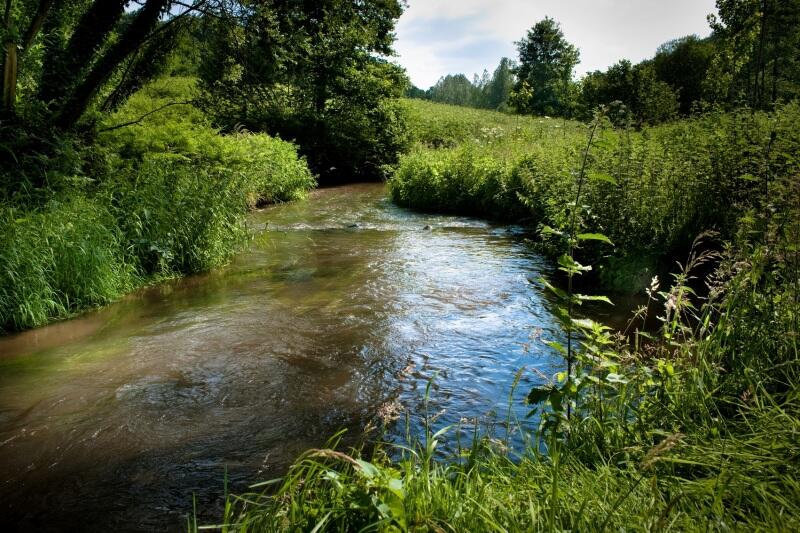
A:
555, 400
600, 176
616, 378
441, 432
594, 237
547, 230
584, 323
396, 486
557, 346
748, 177
585, 298
367, 469
539, 395
555, 290
569, 265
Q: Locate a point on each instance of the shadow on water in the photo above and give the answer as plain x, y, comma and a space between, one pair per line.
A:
343, 303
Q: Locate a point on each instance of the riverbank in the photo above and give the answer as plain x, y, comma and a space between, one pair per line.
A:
153, 198
690, 428
651, 192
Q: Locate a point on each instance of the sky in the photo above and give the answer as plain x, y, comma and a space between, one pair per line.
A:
439, 37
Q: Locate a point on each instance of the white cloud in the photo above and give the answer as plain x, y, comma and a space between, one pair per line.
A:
432, 32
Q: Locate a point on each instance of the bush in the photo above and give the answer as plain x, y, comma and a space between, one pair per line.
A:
267, 169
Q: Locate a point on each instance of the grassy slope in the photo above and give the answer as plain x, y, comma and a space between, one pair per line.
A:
165, 196
695, 428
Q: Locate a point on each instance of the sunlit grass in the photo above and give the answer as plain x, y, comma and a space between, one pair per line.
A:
170, 198
650, 192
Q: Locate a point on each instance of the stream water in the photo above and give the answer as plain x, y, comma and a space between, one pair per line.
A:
343, 304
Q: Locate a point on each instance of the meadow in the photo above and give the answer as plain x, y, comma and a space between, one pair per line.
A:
650, 191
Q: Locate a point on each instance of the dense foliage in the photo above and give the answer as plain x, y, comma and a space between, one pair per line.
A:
167, 196
313, 72
647, 99
651, 192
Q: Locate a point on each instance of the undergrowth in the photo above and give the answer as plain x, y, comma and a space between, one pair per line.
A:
650, 191
159, 194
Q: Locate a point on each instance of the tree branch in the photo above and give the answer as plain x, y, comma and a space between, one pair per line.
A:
36, 24
140, 119
75, 105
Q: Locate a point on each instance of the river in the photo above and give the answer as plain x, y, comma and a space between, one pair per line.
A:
343, 304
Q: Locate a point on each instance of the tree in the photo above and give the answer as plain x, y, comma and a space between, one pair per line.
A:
758, 58
71, 49
312, 71
456, 89
647, 99
500, 86
546, 65
415, 92
654, 101
683, 64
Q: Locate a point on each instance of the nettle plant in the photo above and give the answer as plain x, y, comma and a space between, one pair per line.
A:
595, 384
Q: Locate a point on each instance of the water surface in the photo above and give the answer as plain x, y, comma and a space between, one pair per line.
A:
343, 304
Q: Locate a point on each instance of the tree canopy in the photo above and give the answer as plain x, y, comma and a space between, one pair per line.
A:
546, 65
61, 56
316, 72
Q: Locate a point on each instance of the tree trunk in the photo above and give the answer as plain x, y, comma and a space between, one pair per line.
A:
62, 71
138, 31
36, 24
9, 65
10, 78
761, 66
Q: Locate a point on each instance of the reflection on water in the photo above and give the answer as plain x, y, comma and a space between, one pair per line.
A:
342, 304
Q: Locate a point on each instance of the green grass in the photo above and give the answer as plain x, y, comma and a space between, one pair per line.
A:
649, 191
161, 197
694, 426
737, 486
66, 256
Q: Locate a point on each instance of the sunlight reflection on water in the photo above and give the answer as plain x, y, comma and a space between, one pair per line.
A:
343, 303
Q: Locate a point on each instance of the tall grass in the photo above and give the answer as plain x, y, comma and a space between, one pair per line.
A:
693, 426
650, 191
161, 196
66, 256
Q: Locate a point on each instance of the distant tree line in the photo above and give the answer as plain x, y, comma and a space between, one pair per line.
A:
752, 58
484, 92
